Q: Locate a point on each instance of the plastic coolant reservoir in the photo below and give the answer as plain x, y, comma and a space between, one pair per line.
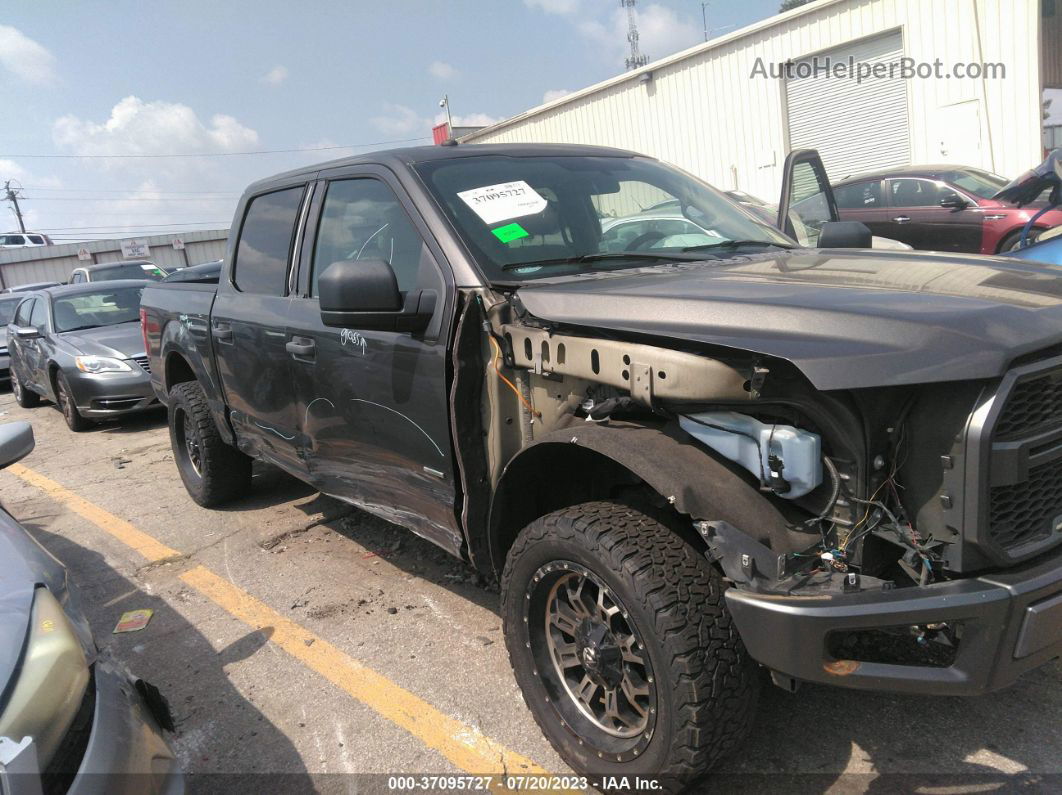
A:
750, 443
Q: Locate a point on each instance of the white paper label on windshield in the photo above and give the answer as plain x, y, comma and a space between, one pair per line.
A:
501, 202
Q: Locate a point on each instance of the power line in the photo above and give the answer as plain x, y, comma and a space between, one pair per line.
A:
129, 226
120, 199
138, 190
224, 154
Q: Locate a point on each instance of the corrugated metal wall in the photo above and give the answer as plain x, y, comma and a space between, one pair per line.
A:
703, 111
55, 263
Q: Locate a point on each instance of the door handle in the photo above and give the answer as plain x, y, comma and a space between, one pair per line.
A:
902, 219
301, 347
222, 332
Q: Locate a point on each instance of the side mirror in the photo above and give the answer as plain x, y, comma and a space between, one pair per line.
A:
845, 234
28, 333
16, 442
954, 203
363, 294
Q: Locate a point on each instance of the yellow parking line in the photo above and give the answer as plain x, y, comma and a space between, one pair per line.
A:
466, 747
125, 532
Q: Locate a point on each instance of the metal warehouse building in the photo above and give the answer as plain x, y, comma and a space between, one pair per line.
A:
56, 263
729, 110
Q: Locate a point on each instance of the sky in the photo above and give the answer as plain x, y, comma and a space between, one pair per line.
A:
83, 87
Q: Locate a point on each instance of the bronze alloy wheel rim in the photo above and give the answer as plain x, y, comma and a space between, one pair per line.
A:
65, 402
591, 660
190, 439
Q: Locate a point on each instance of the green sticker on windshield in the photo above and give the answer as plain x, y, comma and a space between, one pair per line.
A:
510, 232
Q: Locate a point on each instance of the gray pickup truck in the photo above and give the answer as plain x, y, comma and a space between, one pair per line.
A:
687, 445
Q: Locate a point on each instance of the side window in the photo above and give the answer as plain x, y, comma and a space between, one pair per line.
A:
76, 278
363, 219
266, 238
39, 316
859, 196
913, 193
22, 316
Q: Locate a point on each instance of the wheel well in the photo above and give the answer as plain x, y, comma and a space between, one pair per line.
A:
1017, 232
53, 371
177, 371
576, 474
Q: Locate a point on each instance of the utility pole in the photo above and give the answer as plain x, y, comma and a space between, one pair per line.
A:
11, 194
704, 18
635, 60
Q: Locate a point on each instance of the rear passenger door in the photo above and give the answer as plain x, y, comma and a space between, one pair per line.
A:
373, 406
248, 327
864, 202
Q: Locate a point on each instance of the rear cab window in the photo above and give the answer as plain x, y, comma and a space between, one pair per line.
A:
267, 237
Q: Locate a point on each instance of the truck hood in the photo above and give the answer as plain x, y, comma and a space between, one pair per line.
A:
847, 319
120, 341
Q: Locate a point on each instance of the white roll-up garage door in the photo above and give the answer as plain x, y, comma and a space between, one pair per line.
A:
855, 126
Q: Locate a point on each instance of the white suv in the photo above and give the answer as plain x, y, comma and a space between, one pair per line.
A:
23, 240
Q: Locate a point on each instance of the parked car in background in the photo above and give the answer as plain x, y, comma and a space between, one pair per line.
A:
7, 314
939, 208
72, 720
207, 272
769, 212
109, 271
29, 288
80, 346
24, 240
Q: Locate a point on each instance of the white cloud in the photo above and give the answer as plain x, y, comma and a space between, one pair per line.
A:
25, 58
275, 76
139, 127
661, 31
470, 120
562, 7
401, 120
554, 94
442, 70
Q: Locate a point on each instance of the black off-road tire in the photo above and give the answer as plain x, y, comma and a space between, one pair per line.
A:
67, 407
706, 685
216, 472
24, 396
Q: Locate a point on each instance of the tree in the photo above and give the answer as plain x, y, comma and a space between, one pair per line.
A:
789, 5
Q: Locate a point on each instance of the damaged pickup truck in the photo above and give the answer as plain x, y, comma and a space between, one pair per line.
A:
686, 445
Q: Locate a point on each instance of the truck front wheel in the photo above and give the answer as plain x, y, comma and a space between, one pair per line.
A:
621, 642
213, 471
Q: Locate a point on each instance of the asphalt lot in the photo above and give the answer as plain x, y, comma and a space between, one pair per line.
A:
296, 636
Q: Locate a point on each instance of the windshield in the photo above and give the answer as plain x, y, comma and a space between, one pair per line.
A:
531, 217
101, 308
7, 309
131, 270
979, 183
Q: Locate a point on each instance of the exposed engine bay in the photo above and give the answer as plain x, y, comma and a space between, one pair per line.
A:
838, 482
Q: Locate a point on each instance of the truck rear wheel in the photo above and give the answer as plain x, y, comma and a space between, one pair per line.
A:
621, 642
213, 471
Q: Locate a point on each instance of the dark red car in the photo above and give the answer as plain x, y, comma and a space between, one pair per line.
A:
939, 208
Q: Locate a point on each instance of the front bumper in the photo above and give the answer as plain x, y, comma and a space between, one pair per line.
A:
126, 752
1011, 623
111, 394
114, 747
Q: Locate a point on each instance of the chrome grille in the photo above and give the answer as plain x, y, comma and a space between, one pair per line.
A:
143, 362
